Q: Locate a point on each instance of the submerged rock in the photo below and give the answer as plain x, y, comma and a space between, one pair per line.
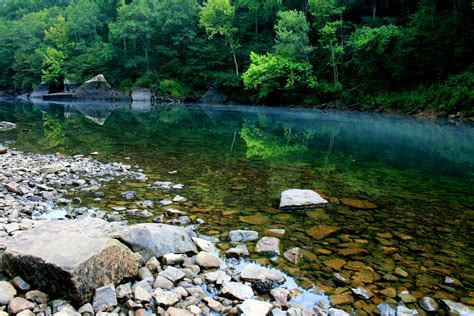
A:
243, 235
268, 246
454, 308
158, 239
362, 204
300, 199
429, 304
72, 257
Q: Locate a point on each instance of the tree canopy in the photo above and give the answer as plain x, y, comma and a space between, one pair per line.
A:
370, 53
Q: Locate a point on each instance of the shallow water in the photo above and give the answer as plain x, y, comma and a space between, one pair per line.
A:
234, 161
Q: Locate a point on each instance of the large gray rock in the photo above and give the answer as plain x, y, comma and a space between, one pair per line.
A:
158, 239
40, 90
213, 96
98, 88
70, 258
300, 199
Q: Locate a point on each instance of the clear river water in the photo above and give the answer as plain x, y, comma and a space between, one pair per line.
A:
401, 189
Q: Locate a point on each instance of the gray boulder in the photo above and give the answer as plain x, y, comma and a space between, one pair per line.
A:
98, 88
142, 94
40, 90
70, 258
158, 239
300, 199
213, 96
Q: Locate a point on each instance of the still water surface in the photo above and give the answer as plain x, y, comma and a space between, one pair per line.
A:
234, 161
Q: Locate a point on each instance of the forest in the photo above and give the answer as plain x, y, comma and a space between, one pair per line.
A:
402, 55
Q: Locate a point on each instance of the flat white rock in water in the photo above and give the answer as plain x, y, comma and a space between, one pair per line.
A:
300, 199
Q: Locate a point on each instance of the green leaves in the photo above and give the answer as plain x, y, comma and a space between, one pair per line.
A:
53, 66
270, 73
216, 17
292, 35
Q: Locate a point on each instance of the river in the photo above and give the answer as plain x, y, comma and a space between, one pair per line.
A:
416, 174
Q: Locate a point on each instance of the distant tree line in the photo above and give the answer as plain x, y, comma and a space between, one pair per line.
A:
400, 54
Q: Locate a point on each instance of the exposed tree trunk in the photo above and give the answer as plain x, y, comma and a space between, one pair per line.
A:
374, 8
235, 59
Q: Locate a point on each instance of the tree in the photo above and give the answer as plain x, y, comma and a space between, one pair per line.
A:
292, 35
216, 17
270, 73
53, 66
54, 57
330, 42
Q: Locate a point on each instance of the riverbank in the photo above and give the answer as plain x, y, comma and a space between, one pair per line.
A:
160, 276
199, 284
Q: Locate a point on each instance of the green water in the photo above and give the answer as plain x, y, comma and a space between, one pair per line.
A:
234, 162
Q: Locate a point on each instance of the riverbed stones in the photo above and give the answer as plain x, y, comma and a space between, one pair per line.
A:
203, 244
207, 260
268, 246
158, 239
165, 298
19, 304
295, 199
252, 307
7, 292
429, 304
172, 274
237, 290
361, 204
320, 232
243, 235
254, 272
293, 255
104, 298
455, 309
163, 283
89, 257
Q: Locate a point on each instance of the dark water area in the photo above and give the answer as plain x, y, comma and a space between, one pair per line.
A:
235, 160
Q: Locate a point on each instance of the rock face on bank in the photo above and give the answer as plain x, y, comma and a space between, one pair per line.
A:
41, 90
213, 96
98, 88
158, 239
72, 257
295, 199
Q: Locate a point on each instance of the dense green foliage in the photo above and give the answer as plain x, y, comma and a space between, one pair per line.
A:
415, 54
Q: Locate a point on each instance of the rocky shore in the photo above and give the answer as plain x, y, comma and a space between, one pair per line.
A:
83, 264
